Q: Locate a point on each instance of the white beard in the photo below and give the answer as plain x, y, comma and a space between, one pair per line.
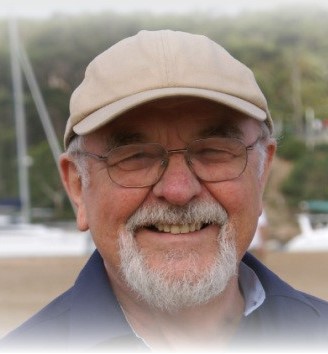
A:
162, 288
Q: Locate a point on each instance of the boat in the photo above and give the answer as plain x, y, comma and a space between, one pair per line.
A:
313, 236
38, 240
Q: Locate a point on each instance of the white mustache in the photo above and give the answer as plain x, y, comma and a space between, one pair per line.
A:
203, 212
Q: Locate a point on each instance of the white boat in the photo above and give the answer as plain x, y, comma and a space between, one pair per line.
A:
36, 240
310, 239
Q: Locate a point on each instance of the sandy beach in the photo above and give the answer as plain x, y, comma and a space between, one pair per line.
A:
27, 284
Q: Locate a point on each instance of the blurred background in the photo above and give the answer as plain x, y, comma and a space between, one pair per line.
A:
44, 49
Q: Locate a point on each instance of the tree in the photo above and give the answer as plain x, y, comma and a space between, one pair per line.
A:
308, 179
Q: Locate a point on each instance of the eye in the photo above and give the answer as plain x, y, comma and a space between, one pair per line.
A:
134, 157
216, 150
214, 155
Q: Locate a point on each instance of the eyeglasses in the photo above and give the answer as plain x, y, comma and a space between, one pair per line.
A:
142, 165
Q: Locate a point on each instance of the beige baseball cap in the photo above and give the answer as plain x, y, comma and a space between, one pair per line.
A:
157, 64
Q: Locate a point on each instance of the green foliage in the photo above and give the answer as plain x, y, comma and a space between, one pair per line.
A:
46, 188
291, 148
308, 179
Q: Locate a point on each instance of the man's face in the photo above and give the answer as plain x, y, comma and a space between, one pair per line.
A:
106, 207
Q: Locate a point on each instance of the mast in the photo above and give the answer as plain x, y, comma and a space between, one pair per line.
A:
39, 103
20, 124
20, 63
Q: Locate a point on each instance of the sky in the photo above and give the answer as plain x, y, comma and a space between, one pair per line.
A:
45, 8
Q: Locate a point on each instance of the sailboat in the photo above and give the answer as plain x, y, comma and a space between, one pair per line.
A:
22, 238
313, 223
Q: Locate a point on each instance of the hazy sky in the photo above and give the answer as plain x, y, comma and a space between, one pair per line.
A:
42, 8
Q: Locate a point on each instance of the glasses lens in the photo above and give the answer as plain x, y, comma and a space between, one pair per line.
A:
218, 159
138, 165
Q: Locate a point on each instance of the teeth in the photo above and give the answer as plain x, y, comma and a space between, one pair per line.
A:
179, 229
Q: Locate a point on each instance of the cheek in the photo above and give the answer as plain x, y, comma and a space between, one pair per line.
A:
238, 197
108, 210
242, 201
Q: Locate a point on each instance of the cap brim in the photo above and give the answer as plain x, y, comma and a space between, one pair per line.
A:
104, 115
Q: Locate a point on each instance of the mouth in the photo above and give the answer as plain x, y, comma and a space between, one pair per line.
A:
177, 229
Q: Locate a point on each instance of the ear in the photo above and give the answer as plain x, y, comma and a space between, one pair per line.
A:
73, 185
270, 153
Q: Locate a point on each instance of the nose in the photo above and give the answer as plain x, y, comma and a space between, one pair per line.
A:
178, 184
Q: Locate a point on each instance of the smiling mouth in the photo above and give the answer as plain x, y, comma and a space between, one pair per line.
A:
177, 229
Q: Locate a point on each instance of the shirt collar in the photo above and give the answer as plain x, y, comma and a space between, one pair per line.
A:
96, 316
251, 287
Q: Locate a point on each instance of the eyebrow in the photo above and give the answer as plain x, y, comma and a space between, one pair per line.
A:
120, 138
224, 130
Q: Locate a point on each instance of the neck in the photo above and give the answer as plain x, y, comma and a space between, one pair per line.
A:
210, 325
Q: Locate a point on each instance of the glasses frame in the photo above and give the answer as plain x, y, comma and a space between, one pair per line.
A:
164, 163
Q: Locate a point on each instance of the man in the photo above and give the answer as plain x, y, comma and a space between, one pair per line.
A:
169, 146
